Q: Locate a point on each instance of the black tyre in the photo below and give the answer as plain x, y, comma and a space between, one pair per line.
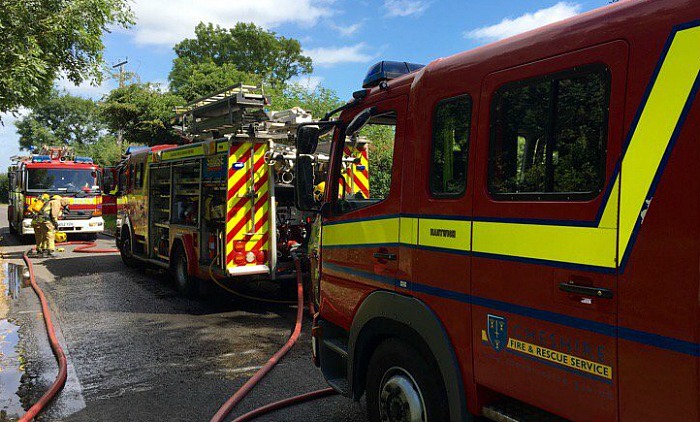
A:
126, 251
404, 386
186, 284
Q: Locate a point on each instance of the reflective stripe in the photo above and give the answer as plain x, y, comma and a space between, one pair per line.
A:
383, 231
671, 92
248, 219
657, 123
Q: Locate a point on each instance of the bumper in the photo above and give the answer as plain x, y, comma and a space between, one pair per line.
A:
93, 225
248, 270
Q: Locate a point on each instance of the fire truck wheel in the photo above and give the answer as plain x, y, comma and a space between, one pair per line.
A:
125, 251
184, 282
402, 386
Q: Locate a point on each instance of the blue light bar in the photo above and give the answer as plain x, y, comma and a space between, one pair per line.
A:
83, 160
41, 158
387, 70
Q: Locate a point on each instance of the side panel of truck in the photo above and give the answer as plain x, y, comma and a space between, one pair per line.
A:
504, 272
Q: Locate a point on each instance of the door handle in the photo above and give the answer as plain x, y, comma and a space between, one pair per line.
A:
586, 290
385, 256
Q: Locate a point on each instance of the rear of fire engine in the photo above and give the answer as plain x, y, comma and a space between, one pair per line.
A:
530, 248
221, 206
56, 171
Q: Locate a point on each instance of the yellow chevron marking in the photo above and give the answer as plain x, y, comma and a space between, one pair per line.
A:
591, 246
656, 126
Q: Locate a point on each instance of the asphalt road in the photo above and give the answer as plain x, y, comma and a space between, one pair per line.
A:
138, 351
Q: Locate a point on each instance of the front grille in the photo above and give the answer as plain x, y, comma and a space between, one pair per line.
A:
78, 215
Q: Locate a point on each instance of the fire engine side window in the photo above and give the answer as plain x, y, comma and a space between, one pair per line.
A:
548, 136
367, 162
451, 123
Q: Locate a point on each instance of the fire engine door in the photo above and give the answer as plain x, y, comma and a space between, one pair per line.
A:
361, 238
544, 242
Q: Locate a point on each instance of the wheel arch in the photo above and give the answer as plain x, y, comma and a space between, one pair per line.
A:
185, 242
386, 314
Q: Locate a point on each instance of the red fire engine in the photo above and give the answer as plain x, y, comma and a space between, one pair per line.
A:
221, 207
538, 249
56, 171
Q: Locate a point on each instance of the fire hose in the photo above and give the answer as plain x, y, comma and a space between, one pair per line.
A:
242, 392
88, 247
60, 380
229, 405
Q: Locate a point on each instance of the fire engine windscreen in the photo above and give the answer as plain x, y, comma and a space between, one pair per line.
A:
63, 180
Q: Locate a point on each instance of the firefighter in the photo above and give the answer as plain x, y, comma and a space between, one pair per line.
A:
51, 213
37, 219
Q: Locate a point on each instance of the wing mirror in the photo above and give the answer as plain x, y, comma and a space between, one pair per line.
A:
359, 121
307, 139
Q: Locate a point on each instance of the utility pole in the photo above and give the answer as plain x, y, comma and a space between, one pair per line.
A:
120, 65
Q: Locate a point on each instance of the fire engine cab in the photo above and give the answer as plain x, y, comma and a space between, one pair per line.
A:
56, 171
536, 255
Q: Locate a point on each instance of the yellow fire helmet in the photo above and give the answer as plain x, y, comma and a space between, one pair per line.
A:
61, 237
319, 190
56, 197
45, 197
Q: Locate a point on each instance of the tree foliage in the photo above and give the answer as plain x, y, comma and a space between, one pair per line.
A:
142, 112
43, 39
317, 101
62, 119
247, 47
191, 81
4, 188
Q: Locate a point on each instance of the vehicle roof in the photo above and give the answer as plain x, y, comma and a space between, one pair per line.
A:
601, 25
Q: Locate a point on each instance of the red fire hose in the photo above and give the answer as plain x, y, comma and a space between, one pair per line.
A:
57, 350
253, 381
87, 247
51, 331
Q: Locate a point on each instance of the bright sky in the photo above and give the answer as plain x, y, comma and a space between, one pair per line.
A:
343, 37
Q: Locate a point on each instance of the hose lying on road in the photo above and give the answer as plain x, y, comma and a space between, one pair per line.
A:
292, 401
57, 350
51, 331
87, 247
227, 407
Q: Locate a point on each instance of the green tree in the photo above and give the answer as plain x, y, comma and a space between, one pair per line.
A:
4, 188
192, 81
62, 119
43, 39
142, 112
318, 101
245, 48
105, 152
